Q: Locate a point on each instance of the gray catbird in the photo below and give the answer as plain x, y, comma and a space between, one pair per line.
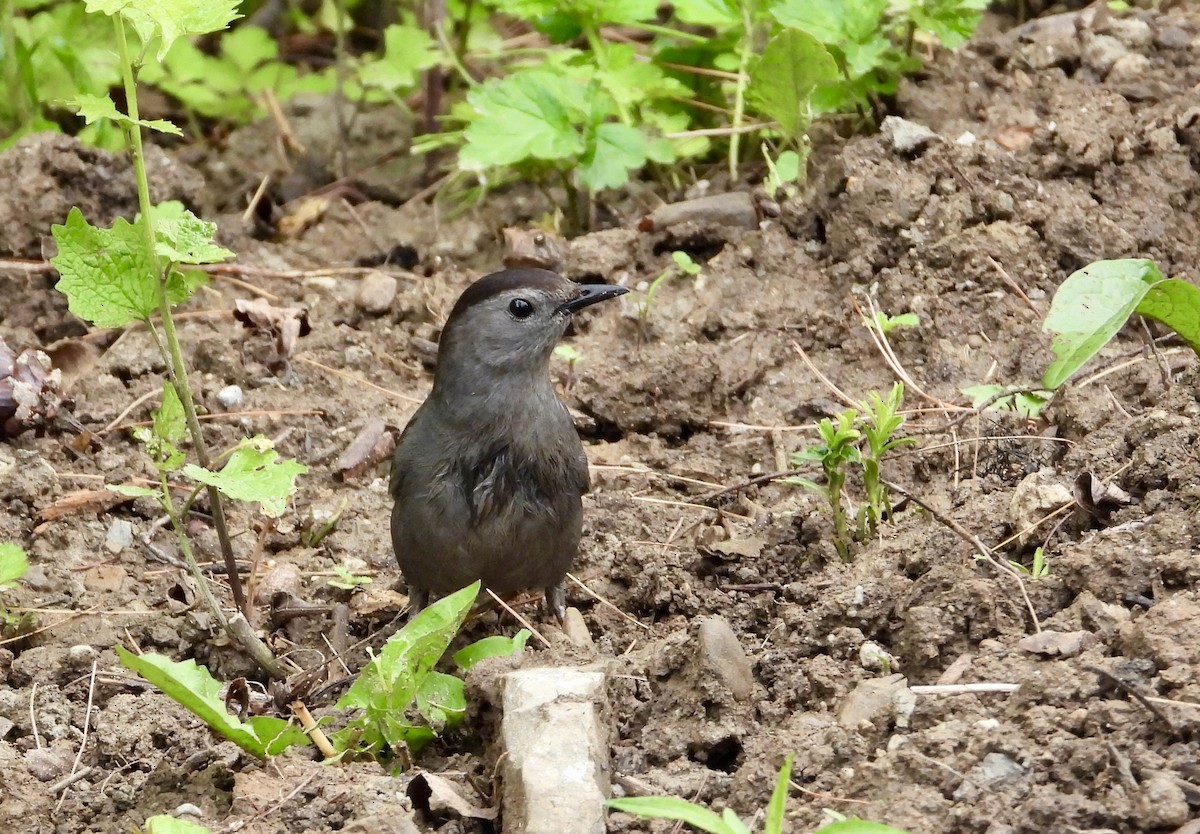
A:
489, 472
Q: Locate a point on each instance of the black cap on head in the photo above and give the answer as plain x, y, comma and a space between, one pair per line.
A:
510, 279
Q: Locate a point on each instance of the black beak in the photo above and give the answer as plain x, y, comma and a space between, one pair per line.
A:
589, 294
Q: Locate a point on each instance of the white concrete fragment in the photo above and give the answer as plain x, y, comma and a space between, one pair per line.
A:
556, 771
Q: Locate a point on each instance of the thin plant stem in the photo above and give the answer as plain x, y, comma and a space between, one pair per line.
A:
739, 95
173, 353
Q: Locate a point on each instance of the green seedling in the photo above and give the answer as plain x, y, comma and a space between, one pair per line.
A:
13, 565
167, 824
1096, 302
684, 265
882, 422
1038, 569
1025, 402
347, 580
402, 676
835, 453
320, 523
702, 819
885, 324
783, 173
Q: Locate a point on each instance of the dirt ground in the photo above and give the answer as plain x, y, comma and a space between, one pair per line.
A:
1056, 144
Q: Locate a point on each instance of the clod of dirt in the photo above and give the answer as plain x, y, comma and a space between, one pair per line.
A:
46, 174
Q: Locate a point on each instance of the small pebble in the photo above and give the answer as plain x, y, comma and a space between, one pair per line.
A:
230, 397
906, 137
377, 292
120, 536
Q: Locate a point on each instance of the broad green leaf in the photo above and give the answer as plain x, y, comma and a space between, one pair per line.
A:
183, 238
105, 273
950, 21
495, 646
775, 808
93, 108
248, 46
253, 473
717, 13
673, 808
441, 701
395, 678
857, 826
1176, 304
407, 51
168, 417
167, 824
191, 686
13, 563
1090, 307
525, 115
618, 149
834, 21
783, 79
170, 19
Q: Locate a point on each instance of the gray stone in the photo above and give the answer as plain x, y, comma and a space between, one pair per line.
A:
906, 137
721, 655
377, 292
576, 629
556, 768
230, 397
120, 536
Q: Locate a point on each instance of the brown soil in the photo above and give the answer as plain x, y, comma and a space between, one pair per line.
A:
1056, 147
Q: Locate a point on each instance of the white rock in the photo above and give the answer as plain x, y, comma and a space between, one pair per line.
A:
230, 397
120, 536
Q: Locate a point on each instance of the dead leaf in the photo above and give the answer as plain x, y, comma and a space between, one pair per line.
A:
303, 213
374, 443
286, 324
1101, 500
436, 794
83, 500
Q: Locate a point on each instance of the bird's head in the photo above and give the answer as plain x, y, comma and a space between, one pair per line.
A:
509, 322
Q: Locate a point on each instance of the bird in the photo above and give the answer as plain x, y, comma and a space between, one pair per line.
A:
489, 473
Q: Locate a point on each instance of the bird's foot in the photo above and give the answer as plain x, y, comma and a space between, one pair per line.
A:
418, 598
556, 601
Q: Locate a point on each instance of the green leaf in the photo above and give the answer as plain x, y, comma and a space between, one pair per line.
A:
191, 686
105, 273
717, 13
834, 22
170, 19
783, 79
13, 564
734, 822
168, 417
673, 808
441, 701
93, 108
1025, 403
390, 683
1176, 304
775, 808
950, 21
1090, 307
407, 51
253, 473
617, 149
247, 47
495, 646
525, 115
857, 826
166, 824
183, 238
684, 261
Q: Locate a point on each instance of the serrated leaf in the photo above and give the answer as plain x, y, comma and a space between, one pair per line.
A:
495, 646
1090, 307
616, 150
833, 21
13, 563
170, 19
93, 108
407, 51
525, 115
191, 686
783, 79
672, 808
253, 473
183, 238
246, 47
1176, 304
105, 273
168, 417
950, 21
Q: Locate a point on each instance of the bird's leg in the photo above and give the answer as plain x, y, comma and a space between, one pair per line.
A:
418, 598
556, 601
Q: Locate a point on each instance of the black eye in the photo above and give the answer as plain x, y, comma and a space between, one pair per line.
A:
520, 308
